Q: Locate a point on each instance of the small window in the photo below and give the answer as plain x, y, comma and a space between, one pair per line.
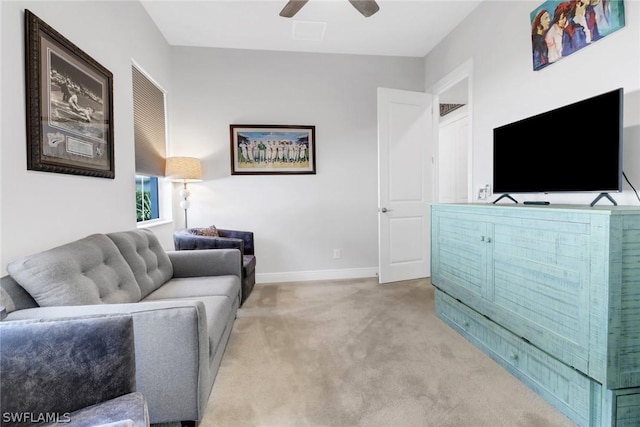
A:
147, 207
149, 117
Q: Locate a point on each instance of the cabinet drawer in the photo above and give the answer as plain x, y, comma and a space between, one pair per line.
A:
568, 390
628, 410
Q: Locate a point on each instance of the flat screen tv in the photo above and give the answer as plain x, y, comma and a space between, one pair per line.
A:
574, 148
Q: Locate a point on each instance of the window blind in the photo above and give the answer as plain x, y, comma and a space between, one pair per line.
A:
149, 125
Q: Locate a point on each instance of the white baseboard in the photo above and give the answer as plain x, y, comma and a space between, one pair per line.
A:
296, 276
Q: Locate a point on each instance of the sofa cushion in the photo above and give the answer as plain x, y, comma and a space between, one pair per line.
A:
204, 286
219, 294
148, 260
87, 271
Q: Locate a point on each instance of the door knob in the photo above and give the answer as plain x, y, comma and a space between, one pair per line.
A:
385, 210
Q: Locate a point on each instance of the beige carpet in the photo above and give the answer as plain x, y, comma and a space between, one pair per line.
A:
356, 353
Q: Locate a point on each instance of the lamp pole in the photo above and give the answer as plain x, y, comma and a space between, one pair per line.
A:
185, 203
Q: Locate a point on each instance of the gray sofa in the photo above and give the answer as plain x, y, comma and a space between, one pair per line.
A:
183, 305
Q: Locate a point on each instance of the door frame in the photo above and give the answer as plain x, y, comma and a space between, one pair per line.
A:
462, 72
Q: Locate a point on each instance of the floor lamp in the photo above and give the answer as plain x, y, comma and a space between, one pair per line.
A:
184, 169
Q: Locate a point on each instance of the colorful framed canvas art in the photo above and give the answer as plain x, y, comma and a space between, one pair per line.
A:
560, 28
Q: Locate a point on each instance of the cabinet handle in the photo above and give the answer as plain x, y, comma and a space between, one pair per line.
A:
482, 238
488, 239
465, 323
513, 355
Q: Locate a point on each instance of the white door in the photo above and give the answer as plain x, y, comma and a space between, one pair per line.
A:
405, 180
453, 149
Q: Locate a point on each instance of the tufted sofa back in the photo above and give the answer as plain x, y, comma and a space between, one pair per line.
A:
146, 257
87, 271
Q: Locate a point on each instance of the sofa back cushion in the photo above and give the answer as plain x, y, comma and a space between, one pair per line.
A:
86, 271
148, 260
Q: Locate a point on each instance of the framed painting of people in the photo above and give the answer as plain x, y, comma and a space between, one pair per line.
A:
560, 28
69, 106
272, 149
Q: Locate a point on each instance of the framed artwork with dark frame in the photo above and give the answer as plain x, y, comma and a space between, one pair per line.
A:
272, 149
69, 106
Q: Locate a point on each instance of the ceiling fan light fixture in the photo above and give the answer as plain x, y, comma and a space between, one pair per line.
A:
365, 7
292, 7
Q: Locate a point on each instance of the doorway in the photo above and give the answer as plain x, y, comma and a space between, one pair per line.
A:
452, 137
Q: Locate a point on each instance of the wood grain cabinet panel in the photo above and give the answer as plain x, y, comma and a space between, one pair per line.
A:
552, 293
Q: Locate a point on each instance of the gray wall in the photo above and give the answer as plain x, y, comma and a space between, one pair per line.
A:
298, 220
40, 210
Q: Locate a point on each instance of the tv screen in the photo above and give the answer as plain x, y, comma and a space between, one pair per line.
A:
574, 148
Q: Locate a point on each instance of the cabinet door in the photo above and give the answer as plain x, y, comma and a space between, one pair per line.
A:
459, 255
541, 283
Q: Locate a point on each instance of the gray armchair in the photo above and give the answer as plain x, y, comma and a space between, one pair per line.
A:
73, 372
192, 238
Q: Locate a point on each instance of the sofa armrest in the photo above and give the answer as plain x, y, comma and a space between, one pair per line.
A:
171, 351
245, 236
206, 262
184, 240
66, 364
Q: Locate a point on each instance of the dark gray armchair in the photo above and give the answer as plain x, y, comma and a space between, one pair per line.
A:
73, 372
192, 238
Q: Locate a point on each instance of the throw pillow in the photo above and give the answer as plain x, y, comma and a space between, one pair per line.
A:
209, 232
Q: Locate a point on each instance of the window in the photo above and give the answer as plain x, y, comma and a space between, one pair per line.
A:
149, 113
147, 207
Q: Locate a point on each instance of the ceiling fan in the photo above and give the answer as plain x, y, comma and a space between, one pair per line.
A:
365, 7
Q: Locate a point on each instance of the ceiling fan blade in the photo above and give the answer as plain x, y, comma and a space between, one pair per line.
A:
365, 7
291, 8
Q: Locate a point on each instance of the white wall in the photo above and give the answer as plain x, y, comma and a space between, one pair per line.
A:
41, 210
496, 36
298, 220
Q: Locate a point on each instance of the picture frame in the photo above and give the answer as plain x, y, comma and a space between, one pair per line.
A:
560, 28
69, 98
272, 149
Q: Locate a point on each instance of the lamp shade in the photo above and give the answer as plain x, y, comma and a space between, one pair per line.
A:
183, 169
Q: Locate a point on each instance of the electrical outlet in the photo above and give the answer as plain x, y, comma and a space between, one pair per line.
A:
336, 254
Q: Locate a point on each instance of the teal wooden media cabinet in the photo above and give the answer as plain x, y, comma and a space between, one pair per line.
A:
552, 294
